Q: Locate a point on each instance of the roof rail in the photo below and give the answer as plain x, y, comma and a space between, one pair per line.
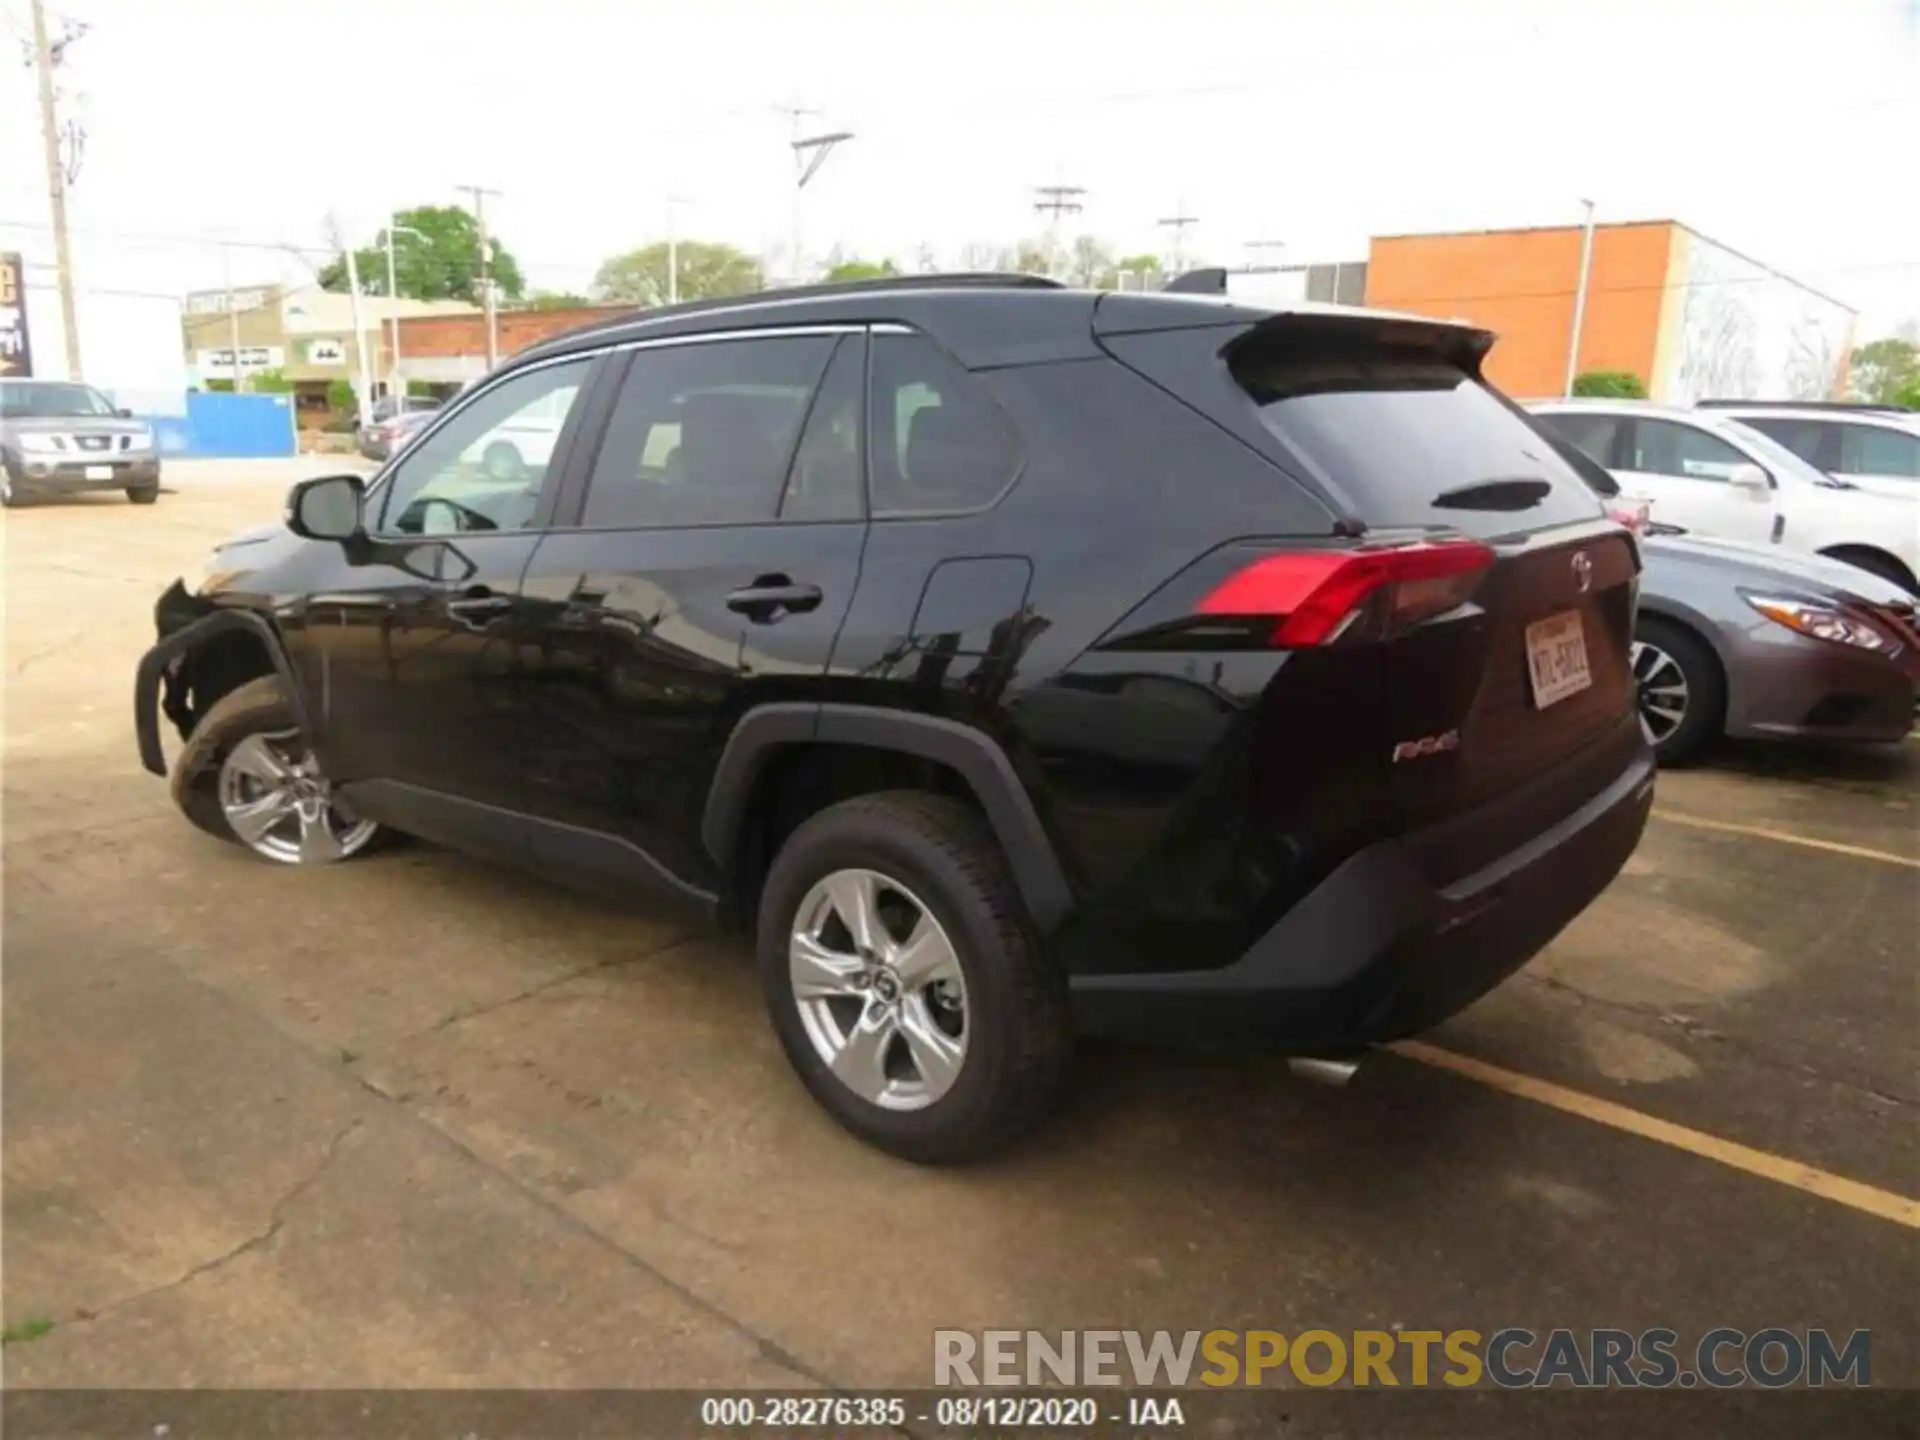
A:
1861, 406
957, 279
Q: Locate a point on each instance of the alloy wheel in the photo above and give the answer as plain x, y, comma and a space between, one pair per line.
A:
1662, 691
880, 989
281, 807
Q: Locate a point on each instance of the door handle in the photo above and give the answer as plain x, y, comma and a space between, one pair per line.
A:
771, 596
479, 604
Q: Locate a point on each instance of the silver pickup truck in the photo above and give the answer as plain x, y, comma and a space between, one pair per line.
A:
58, 436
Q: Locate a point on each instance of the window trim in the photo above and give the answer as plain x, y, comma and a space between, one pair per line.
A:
877, 516
570, 510
806, 422
557, 466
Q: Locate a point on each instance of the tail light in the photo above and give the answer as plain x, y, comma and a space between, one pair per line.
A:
1632, 513
1313, 597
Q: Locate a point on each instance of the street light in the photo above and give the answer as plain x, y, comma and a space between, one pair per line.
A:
809, 154
393, 297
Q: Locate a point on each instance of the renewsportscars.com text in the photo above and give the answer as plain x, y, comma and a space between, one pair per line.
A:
1512, 1358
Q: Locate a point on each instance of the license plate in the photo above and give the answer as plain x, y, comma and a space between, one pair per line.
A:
99, 472
1557, 658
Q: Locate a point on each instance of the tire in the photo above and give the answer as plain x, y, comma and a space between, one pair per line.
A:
1017, 1029
1660, 648
143, 494
259, 708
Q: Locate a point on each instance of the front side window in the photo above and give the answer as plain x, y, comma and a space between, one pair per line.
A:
1871, 450
1805, 438
938, 441
483, 469
703, 433
1663, 447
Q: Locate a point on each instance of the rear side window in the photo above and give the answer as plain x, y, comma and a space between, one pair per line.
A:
1870, 450
1410, 439
1595, 436
938, 442
702, 434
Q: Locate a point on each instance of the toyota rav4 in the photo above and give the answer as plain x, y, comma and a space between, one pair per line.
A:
1013, 661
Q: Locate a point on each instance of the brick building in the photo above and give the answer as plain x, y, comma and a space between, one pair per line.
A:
1690, 317
452, 349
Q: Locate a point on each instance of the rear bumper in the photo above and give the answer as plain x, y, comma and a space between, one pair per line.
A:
1378, 950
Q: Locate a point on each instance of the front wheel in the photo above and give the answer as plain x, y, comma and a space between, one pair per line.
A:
143, 494
247, 775
502, 461
1679, 689
904, 982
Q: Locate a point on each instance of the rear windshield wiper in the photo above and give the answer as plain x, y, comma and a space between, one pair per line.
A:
1517, 493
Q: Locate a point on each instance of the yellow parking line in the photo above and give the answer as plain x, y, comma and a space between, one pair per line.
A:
1859, 852
1868, 1199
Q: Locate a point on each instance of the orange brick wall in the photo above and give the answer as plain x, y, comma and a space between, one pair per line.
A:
444, 336
1520, 284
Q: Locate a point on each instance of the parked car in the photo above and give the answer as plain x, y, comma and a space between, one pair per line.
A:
1752, 642
59, 436
1712, 475
1873, 447
379, 440
856, 616
389, 407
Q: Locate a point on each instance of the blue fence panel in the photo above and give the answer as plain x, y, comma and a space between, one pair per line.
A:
235, 425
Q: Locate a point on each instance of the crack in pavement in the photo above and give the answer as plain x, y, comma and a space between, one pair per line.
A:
1695, 1030
472, 1012
276, 1220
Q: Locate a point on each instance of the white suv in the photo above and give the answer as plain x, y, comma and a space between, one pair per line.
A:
1707, 472
1874, 449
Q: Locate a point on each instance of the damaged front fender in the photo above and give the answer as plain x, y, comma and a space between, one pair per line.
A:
188, 627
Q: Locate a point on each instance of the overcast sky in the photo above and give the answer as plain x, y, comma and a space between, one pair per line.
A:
1783, 128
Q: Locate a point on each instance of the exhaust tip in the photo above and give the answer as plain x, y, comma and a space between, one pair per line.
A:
1334, 1070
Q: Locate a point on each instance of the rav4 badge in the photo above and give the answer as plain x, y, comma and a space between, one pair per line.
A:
1426, 745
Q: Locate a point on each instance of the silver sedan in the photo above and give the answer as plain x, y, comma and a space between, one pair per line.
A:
1751, 642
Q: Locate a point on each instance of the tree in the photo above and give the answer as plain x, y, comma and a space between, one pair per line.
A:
862, 270
1087, 261
340, 395
1136, 272
1884, 368
553, 300
436, 256
708, 270
1029, 257
1610, 385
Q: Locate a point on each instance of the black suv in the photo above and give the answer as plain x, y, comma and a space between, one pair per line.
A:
1013, 659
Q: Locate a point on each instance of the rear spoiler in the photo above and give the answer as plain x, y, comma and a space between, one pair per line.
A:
1455, 341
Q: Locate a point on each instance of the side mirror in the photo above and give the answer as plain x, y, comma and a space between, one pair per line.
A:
124, 413
1752, 479
327, 508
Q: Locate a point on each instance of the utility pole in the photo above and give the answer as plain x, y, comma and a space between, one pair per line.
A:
1178, 223
809, 154
1053, 201
673, 248
479, 194
393, 300
363, 389
1580, 297
44, 61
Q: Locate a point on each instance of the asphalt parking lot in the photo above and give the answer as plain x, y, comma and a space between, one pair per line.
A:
413, 1121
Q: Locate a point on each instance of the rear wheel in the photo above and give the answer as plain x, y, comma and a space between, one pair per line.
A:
905, 984
248, 775
1680, 692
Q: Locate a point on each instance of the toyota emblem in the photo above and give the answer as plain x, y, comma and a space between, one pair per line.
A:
1582, 571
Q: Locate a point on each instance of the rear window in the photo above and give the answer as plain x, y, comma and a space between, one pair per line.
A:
1412, 440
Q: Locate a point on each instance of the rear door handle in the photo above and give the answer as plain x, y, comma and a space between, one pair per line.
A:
771, 596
